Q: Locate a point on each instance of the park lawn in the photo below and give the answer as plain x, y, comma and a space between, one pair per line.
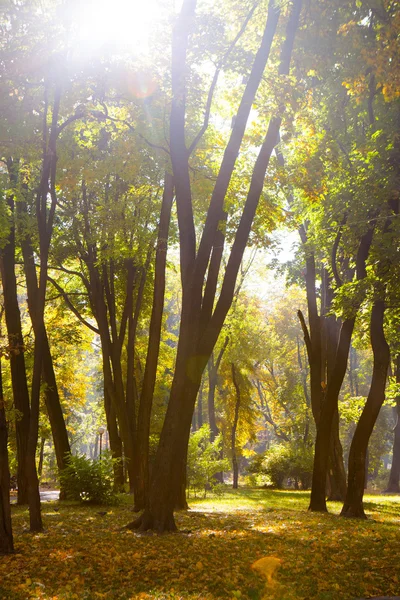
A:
87, 555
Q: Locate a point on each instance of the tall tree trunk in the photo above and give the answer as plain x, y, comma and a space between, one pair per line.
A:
200, 405
337, 473
394, 477
212, 367
6, 536
35, 516
330, 404
353, 506
331, 326
235, 465
212, 384
115, 442
52, 399
196, 343
141, 487
16, 344
41, 457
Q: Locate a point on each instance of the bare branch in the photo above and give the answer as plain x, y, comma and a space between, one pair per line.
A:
215, 80
72, 308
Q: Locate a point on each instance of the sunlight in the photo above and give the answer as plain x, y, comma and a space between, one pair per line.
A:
120, 25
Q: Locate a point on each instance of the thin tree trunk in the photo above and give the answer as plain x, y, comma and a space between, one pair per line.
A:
35, 516
353, 506
6, 536
235, 465
52, 399
200, 405
115, 442
331, 327
394, 477
212, 368
41, 457
16, 344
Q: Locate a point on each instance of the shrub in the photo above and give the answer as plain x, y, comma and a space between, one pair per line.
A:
89, 480
204, 460
282, 462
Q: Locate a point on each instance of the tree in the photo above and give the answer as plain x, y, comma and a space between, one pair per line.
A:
6, 536
394, 477
200, 322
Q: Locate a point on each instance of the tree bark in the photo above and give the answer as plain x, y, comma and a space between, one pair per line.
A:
394, 476
52, 399
353, 506
213, 368
330, 404
41, 457
16, 344
6, 536
141, 486
235, 465
200, 405
115, 442
196, 343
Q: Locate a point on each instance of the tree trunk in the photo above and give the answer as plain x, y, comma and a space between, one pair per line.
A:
324, 429
6, 536
212, 368
212, 384
331, 328
16, 344
196, 344
52, 399
141, 486
115, 442
337, 473
54, 410
330, 404
235, 465
35, 517
353, 506
394, 477
166, 482
181, 500
200, 405
41, 457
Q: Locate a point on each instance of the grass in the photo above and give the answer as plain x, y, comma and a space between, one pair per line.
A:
87, 555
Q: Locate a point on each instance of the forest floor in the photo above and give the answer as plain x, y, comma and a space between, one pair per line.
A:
85, 554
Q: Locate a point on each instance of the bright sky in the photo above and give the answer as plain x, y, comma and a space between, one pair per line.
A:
122, 24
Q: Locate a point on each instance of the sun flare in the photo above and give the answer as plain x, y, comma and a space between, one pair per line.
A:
122, 25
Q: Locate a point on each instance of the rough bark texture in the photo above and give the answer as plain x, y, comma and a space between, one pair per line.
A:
6, 536
353, 506
394, 476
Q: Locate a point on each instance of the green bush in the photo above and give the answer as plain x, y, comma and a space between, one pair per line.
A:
282, 462
89, 480
204, 460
